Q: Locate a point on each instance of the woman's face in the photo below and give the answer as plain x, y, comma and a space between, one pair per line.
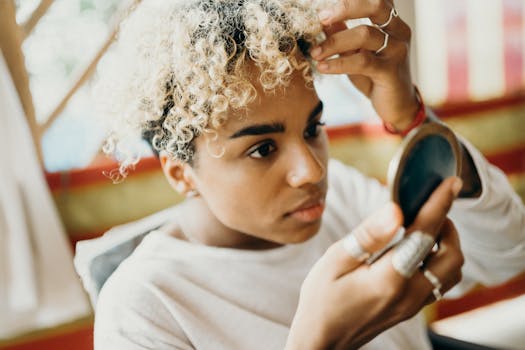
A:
270, 182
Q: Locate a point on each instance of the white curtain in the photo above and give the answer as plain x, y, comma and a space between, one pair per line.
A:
38, 285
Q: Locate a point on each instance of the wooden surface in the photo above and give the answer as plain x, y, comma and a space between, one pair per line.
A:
11, 38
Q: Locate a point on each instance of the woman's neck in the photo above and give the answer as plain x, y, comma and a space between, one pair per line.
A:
194, 222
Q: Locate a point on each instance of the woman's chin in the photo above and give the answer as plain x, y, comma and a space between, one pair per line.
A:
303, 233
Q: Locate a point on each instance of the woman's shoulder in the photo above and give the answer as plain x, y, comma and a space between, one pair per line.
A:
131, 309
133, 297
143, 269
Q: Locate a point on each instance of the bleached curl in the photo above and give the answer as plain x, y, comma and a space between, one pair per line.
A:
178, 67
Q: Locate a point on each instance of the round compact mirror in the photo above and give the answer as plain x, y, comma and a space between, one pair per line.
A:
427, 156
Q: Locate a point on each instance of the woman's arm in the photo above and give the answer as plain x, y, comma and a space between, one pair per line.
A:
491, 227
490, 217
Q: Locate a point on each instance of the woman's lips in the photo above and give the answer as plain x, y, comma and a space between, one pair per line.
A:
310, 213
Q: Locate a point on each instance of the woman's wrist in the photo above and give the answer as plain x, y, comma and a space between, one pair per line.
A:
298, 342
417, 116
306, 336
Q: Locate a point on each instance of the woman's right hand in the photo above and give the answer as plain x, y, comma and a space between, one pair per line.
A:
345, 303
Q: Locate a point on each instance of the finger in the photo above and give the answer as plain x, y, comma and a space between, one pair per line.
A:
417, 244
421, 237
395, 26
399, 29
362, 63
334, 28
434, 211
371, 236
415, 292
350, 40
405, 297
377, 10
445, 265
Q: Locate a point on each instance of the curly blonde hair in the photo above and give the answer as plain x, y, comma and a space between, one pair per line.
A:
178, 67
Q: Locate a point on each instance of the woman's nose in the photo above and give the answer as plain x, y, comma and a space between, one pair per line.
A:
305, 167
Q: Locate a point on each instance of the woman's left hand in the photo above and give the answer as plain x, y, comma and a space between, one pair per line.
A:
382, 76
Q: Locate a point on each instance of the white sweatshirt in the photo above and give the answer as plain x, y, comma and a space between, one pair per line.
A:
172, 294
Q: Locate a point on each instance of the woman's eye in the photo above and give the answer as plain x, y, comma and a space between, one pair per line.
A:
313, 130
263, 150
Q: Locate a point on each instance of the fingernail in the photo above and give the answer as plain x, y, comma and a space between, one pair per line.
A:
322, 66
316, 52
388, 217
457, 186
325, 15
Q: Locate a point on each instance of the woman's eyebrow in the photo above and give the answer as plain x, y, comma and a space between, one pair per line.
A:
261, 129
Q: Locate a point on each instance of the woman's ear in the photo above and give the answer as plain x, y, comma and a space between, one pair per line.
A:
178, 174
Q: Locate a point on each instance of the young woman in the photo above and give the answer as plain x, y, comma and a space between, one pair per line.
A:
268, 249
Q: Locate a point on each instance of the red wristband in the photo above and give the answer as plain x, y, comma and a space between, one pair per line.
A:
418, 120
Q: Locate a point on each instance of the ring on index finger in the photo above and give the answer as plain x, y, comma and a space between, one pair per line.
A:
354, 248
393, 13
411, 251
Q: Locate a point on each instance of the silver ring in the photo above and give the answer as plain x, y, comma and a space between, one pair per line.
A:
435, 283
354, 248
411, 251
393, 13
385, 42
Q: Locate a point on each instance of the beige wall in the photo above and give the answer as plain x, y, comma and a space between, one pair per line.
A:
406, 9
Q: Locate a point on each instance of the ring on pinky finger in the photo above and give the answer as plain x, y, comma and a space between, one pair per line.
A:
436, 283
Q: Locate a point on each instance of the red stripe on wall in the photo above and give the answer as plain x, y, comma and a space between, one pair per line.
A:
470, 110
80, 339
511, 161
457, 55
481, 297
95, 174
513, 44
74, 238
361, 129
